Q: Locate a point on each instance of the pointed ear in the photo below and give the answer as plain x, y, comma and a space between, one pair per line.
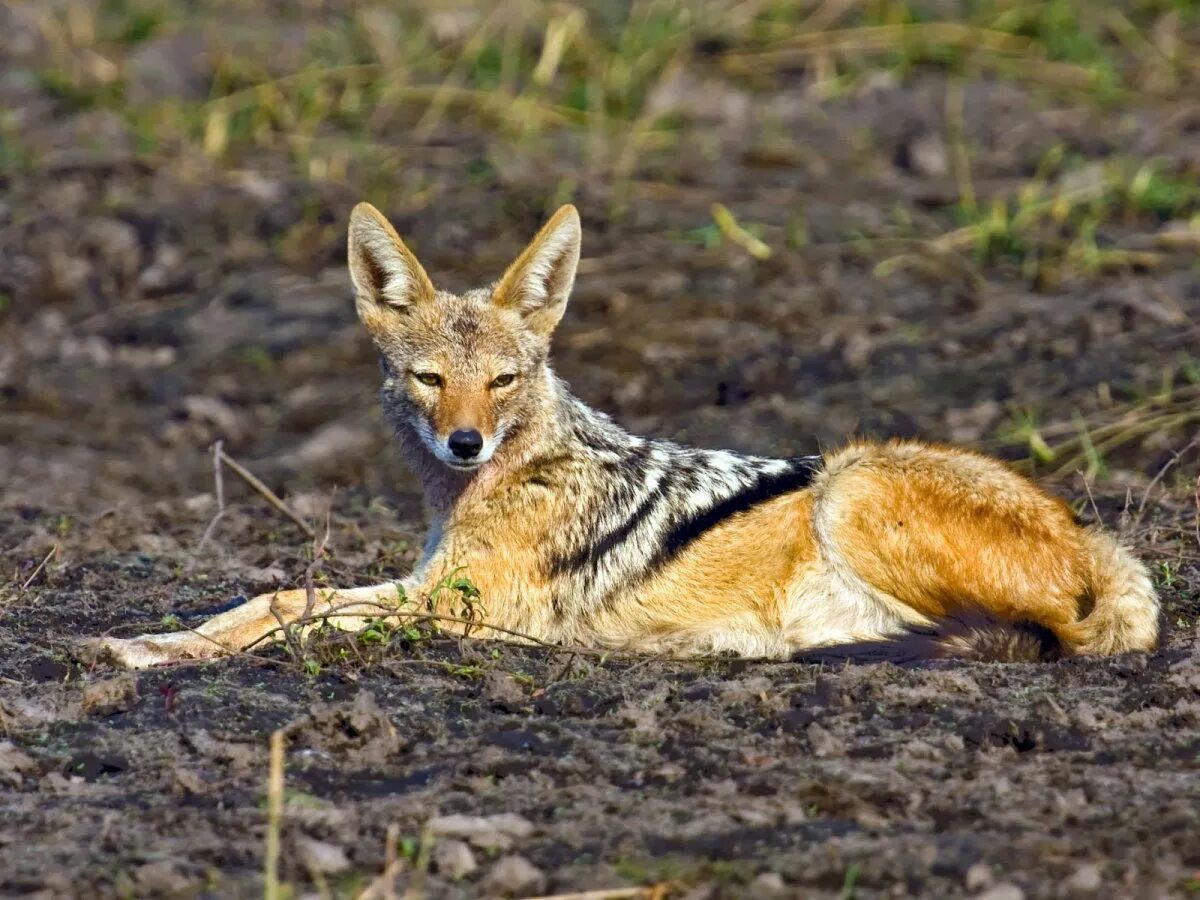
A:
385, 273
538, 284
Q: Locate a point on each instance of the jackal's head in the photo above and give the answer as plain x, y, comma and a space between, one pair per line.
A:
462, 371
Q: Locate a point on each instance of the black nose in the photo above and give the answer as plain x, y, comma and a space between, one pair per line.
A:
465, 444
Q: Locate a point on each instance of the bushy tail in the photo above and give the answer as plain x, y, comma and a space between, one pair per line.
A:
968, 636
1123, 616
1125, 610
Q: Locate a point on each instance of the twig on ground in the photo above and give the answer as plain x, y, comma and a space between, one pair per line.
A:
1091, 500
37, 571
267, 494
565, 672
382, 886
288, 629
390, 856
219, 488
218, 449
1195, 442
310, 592
274, 817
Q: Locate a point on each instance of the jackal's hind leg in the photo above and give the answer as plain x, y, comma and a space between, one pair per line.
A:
256, 621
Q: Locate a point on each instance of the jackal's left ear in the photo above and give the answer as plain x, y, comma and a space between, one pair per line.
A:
538, 284
385, 273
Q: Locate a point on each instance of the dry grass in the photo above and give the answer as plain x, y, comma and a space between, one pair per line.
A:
367, 86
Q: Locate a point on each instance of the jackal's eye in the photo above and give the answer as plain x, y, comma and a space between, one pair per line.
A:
503, 380
432, 379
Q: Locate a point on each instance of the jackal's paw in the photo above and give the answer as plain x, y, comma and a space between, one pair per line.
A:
128, 653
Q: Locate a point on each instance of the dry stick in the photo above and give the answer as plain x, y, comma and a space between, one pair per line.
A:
566, 670
310, 592
266, 493
379, 885
274, 817
390, 856
41, 565
218, 449
219, 487
1092, 500
1161, 472
288, 629
290, 635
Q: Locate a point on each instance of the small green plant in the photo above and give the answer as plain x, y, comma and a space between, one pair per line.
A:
409, 847
376, 632
1161, 193
849, 882
464, 601
1023, 429
1168, 574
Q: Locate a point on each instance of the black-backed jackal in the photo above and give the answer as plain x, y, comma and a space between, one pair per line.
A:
575, 531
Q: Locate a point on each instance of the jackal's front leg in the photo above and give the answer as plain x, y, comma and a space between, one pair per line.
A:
259, 620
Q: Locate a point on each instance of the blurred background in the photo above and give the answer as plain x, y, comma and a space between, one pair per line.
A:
973, 222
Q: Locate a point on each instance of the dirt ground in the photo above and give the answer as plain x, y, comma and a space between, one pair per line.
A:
153, 301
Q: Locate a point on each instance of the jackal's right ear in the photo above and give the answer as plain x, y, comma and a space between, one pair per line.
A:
385, 273
538, 284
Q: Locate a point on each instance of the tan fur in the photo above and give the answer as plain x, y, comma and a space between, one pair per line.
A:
574, 531
729, 591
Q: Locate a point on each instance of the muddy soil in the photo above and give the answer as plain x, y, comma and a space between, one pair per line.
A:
152, 308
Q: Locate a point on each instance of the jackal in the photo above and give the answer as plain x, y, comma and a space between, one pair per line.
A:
575, 531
